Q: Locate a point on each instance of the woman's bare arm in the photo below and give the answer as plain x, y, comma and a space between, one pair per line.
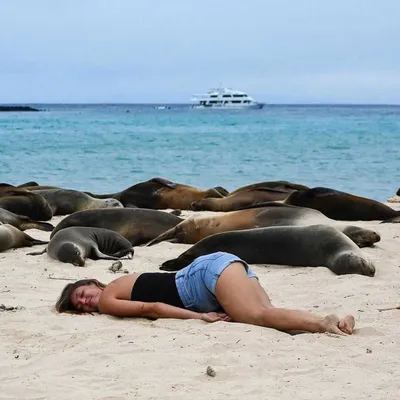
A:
127, 308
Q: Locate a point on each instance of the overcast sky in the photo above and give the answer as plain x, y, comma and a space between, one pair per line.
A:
279, 51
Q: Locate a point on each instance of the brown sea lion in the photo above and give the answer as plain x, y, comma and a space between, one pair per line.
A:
64, 201
22, 223
23, 202
138, 225
12, 238
278, 185
192, 230
75, 244
240, 199
308, 246
340, 205
159, 193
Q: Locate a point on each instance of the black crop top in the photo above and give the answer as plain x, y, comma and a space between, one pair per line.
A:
153, 287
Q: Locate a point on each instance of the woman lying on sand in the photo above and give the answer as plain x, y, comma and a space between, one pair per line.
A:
215, 287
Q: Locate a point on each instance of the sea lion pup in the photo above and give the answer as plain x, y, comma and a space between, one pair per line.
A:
242, 198
340, 205
279, 185
159, 193
75, 244
138, 225
65, 201
192, 230
308, 246
12, 238
22, 223
23, 202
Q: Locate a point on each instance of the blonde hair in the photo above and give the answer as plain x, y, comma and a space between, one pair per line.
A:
64, 303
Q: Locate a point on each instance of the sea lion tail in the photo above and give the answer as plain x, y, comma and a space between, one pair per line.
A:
167, 235
43, 226
37, 241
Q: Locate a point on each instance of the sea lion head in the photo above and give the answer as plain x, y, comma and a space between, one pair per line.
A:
70, 253
112, 203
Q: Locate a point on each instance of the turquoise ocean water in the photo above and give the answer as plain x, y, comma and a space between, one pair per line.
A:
106, 148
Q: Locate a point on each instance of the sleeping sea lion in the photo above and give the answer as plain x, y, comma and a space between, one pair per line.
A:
309, 246
64, 201
12, 238
158, 193
240, 199
194, 229
75, 244
138, 225
22, 223
340, 205
23, 202
278, 185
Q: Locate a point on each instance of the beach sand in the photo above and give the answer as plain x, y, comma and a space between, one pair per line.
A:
45, 355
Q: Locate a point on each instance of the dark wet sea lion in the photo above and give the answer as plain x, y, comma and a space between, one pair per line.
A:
398, 192
65, 201
12, 238
138, 225
309, 246
23, 202
340, 205
192, 230
240, 199
22, 222
159, 193
75, 244
278, 185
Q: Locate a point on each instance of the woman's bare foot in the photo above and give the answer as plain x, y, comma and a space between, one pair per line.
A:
334, 325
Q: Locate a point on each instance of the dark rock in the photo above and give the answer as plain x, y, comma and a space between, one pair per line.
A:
17, 108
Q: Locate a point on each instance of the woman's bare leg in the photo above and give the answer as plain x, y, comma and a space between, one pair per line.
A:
243, 302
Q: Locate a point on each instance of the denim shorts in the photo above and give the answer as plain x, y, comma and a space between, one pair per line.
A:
196, 283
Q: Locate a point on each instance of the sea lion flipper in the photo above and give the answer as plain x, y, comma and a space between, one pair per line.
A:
37, 253
164, 182
170, 265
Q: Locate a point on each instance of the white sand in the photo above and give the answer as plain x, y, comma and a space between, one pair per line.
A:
44, 355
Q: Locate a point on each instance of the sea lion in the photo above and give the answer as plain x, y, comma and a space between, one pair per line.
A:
340, 205
65, 201
23, 202
75, 244
159, 193
12, 238
138, 225
194, 229
278, 185
240, 199
309, 246
22, 223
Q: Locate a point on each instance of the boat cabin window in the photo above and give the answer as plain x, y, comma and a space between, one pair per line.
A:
226, 95
236, 101
215, 101
214, 95
246, 101
239, 95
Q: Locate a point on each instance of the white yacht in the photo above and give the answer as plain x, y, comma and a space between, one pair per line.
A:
223, 98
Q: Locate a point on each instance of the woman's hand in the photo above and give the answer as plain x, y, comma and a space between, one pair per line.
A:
214, 317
